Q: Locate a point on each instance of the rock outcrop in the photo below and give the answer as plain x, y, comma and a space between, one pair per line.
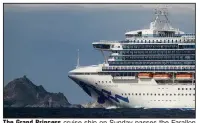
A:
21, 92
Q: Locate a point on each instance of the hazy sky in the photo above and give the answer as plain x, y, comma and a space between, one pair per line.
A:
41, 40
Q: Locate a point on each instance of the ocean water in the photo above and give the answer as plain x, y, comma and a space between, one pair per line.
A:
96, 113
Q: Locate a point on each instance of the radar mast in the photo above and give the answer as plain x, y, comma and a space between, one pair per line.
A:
161, 21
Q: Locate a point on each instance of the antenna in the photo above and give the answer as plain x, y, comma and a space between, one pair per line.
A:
161, 21
77, 60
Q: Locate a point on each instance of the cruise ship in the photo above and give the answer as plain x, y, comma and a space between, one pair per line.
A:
150, 68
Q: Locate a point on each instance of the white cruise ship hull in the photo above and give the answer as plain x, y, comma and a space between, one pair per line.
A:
143, 94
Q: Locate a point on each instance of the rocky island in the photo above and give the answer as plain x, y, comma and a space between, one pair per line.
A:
21, 92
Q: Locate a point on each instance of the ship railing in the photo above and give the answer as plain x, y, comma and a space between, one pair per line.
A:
148, 68
106, 41
160, 36
160, 40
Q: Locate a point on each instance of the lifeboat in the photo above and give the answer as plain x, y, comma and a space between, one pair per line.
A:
144, 75
161, 76
184, 76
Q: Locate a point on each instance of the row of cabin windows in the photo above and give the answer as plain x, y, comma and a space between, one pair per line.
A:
153, 63
186, 88
150, 46
135, 52
158, 88
159, 41
151, 67
107, 73
157, 46
151, 94
156, 57
166, 68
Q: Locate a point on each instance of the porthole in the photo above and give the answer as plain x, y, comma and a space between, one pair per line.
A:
136, 94
185, 94
182, 88
166, 94
182, 94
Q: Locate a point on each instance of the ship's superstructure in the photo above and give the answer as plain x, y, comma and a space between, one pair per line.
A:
151, 68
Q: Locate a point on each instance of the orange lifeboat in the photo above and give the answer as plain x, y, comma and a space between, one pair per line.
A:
161, 76
184, 76
144, 75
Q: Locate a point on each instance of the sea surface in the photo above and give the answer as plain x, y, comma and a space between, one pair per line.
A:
96, 113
